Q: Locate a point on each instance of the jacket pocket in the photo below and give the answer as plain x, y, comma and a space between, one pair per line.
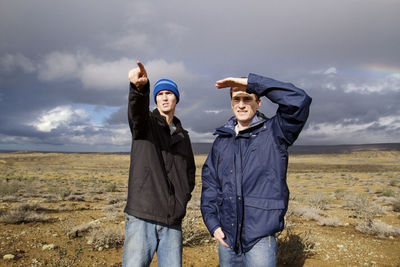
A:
225, 216
264, 203
262, 217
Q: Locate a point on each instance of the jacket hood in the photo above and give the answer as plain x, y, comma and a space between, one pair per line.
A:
229, 127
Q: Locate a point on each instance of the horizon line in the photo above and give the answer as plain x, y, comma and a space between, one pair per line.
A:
200, 143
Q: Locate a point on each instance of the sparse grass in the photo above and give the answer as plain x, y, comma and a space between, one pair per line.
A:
340, 178
340, 194
396, 205
60, 191
10, 198
388, 192
393, 182
64, 259
331, 221
120, 199
386, 201
112, 187
75, 198
8, 188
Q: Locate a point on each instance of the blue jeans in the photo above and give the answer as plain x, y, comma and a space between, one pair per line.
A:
262, 254
144, 238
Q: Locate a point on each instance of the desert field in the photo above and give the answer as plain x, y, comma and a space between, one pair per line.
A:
66, 209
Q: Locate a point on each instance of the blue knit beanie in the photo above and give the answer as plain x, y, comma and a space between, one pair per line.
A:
166, 84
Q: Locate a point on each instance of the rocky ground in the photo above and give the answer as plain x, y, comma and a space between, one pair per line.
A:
66, 210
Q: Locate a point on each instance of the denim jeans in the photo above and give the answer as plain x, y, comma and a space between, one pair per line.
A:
262, 254
144, 238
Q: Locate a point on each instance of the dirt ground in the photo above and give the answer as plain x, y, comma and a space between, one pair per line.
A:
66, 209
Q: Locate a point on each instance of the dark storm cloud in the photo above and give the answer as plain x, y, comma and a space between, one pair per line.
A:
119, 117
338, 105
56, 59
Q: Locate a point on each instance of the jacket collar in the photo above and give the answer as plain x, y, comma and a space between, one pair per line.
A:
229, 127
163, 122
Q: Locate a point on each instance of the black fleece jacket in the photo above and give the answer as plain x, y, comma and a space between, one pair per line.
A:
162, 168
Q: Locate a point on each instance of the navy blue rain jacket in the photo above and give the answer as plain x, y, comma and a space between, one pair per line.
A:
244, 187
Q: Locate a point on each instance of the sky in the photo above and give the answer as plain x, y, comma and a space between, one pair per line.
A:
64, 66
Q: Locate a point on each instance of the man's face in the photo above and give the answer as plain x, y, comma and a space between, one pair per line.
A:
166, 101
244, 105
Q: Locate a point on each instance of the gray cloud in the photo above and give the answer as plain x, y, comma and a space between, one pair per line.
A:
73, 57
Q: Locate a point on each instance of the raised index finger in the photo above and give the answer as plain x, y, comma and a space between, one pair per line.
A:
141, 68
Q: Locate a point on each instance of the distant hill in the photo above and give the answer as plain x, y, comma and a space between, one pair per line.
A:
204, 148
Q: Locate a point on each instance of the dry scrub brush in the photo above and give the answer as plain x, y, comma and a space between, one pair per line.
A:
60, 191
377, 228
83, 228
114, 213
319, 201
106, 237
388, 192
313, 214
307, 213
8, 188
112, 187
330, 221
396, 205
367, 211
363, 208
293, 249
24, 213
340, 194
193, 230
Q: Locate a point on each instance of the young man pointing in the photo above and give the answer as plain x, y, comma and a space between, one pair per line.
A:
161, 176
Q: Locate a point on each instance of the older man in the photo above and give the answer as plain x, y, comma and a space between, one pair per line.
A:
244, 194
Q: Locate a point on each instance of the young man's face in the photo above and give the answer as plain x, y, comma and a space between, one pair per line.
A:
244, 105
166, 102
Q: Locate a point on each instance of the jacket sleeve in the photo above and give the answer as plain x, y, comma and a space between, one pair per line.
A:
138, 109
294, 104
209, 193
191, 169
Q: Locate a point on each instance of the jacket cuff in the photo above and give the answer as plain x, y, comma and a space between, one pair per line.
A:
251, 83
257, 84
212, 230
145, 90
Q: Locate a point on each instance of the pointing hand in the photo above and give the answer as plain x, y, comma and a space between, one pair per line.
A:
138, 76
